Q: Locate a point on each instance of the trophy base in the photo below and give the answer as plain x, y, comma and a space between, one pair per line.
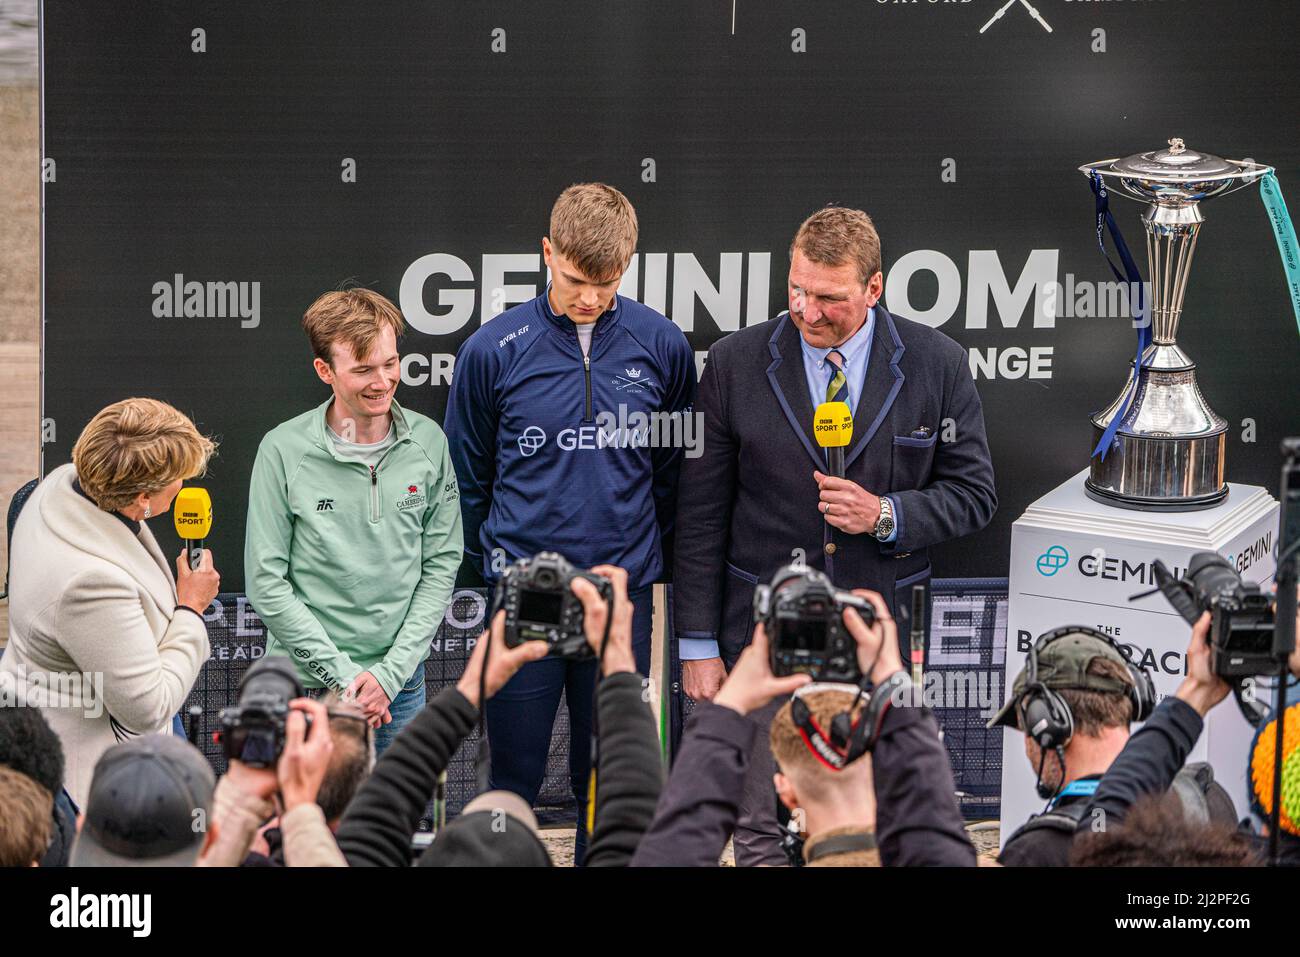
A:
1116, 500
1159, 473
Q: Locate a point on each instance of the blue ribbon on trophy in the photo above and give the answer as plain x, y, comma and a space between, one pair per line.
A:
1271, 193
1142, 313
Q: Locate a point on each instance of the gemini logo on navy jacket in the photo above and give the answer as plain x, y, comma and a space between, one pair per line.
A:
539, 465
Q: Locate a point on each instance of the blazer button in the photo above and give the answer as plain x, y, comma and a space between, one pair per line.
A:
830, 548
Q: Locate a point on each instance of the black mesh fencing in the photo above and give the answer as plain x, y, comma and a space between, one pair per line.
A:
965, 655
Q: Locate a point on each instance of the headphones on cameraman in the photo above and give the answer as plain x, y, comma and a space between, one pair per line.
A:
1044, 715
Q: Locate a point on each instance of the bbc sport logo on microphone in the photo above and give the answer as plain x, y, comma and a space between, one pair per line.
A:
833, 425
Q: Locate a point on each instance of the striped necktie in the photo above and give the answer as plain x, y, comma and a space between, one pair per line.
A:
837, 390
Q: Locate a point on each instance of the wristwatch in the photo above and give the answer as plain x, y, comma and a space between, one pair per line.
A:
885, 524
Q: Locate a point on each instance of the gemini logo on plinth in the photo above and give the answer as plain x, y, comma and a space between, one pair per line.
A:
1052, 561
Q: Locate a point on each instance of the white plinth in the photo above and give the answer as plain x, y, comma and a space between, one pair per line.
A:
1076, 562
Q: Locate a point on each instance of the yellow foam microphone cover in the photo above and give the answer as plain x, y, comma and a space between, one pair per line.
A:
833, 425
192, 512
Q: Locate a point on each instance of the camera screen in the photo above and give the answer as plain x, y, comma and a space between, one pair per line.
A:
540, 606
1249, 637
803, 635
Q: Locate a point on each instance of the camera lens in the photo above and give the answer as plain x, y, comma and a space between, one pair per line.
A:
1211, 574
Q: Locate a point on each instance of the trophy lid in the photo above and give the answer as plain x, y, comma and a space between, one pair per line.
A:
1176, 175
1176, 164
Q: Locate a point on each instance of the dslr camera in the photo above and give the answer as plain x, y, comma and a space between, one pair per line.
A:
802, 614
1242, 622
253, 730
540, 605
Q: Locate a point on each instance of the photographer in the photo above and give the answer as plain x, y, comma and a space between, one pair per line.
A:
1156, 752
350, 762
247, 796
377, 827
916, 817
1079, 681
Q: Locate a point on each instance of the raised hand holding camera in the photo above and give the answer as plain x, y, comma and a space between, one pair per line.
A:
540, 604
306, 755
609, 634
751, 683
1202, 688
876, 637
803, 615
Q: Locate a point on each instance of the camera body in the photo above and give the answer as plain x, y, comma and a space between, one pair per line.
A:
540, 604
802, 614
252, 731
1242, 620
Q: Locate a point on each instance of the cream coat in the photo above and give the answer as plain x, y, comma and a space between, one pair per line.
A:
95, 637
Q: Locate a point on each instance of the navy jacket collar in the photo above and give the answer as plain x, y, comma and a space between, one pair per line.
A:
564, 325
880, 388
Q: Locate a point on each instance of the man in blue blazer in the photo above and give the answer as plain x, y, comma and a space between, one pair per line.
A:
917, 471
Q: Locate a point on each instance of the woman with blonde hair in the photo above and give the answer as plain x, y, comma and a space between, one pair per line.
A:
103, 635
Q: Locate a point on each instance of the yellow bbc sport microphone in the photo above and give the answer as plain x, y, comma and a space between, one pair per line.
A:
192, 513
833, 427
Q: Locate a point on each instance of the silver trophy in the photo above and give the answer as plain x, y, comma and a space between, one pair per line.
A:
1168, 451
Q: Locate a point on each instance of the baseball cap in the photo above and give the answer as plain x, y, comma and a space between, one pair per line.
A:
496, 829
1063, 664
142, 804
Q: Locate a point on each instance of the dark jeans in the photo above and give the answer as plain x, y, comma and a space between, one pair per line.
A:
521, 715
403, 709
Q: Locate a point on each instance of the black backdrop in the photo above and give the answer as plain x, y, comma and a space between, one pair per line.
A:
227, 165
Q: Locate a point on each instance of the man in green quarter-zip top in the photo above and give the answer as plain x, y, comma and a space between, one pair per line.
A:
354, 525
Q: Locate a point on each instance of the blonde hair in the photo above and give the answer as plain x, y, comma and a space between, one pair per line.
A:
594, 227
353, 317
836, 235
793, 757
134, 446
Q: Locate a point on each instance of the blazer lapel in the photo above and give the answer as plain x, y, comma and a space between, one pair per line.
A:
881, 386
790, 385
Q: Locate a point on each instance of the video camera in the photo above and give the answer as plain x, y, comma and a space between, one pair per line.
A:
802, 614
540, 604
252, 731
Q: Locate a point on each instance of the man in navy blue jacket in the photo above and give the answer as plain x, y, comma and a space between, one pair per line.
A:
568, 419
917, 471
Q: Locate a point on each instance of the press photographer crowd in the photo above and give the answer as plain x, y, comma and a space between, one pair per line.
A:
796, 544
